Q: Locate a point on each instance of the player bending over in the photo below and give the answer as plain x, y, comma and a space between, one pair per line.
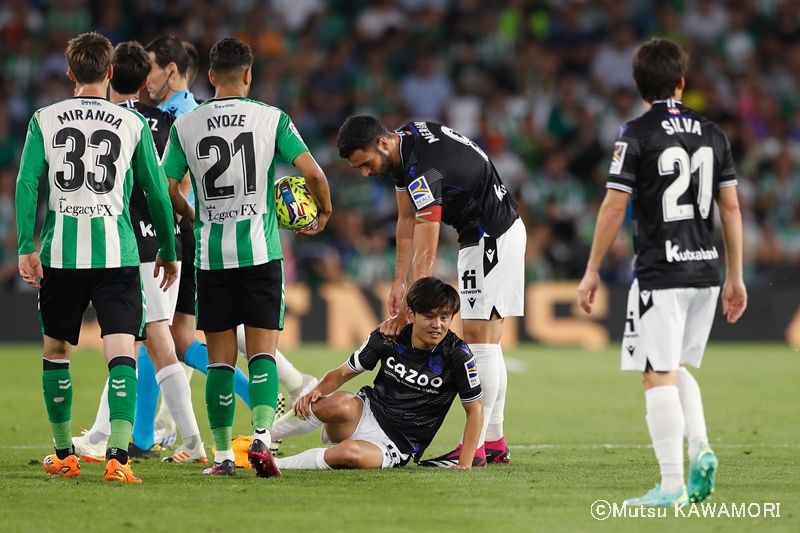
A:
385, 425
228, 145
671, 162
91, 152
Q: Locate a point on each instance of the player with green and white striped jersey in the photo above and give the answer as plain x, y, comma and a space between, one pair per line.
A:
229, 146
90, 151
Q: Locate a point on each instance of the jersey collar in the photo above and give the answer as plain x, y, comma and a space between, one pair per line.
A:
670, 102
130, 103
174, 99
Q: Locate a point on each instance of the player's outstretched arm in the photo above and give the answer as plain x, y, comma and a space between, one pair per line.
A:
405, 251
318, 186
472, 433
330, 383
734, 293
609, 220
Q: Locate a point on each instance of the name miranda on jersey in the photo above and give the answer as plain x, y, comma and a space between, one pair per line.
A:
674, 254
89, 114
675, 125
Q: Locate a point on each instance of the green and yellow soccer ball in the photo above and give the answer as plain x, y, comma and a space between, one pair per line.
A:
294, 205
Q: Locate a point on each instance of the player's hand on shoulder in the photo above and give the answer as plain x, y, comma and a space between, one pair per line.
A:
30, 268
302, 407
170, 272
734, 299
391, 328
396, 297
587, 289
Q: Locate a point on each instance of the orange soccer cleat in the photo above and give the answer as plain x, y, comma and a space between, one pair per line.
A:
116, 471
67, 467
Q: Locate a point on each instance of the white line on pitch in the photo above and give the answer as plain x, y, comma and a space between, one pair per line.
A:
639, 446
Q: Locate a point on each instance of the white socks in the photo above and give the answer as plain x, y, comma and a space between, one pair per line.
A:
101, 430
487, 359
163, 414
666, 423
494, 431
288, 375
177, 395
289, 425
313, 459
692, 403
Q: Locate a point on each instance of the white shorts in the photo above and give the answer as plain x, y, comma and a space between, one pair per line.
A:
159, 305
667, 327
368, 430
491, 275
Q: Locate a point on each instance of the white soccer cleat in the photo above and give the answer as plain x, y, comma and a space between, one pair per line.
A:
165, 433
309, 382
184, 455
88, 452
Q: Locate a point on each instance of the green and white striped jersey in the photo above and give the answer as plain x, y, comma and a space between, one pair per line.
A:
91, 151
229, 146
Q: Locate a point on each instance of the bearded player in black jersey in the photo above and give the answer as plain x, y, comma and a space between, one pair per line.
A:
442, 177
672, 163
385, 425
131, 68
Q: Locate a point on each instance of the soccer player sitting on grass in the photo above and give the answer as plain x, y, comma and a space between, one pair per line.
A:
387, 424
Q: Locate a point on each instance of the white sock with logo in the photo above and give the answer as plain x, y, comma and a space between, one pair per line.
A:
313, 459
290, 424
178, 398
692, 404
101, 430
494, 431
486, 359
666, 424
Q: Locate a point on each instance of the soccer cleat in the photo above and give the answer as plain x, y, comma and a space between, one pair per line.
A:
497, 452
280, 408
240, 446
225, 468
67, 467
702, 474
309, 382
134, 452
88, 452
183, 455
262, 460
116, 471
657, 498
452, 458
165, 433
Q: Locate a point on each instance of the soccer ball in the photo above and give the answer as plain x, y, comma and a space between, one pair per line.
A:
294, 204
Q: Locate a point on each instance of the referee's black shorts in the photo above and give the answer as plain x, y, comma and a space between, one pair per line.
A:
115, 293
252, 296
187, 284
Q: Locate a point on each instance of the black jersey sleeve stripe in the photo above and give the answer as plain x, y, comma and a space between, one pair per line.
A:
727, 183
470, 400
353, 364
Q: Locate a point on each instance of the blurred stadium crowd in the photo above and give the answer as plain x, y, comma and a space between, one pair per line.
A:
542, 86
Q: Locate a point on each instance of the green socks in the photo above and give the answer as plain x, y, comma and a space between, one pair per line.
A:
220, 404
121, 400
57, 389
263, 390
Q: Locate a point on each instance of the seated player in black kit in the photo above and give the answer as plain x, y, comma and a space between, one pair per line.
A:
385, 425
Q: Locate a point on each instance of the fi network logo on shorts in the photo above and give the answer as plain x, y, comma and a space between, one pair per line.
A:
603, 510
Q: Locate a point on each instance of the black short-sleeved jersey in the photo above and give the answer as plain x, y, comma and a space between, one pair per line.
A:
160, 123
442, 167
414, 388
673, 161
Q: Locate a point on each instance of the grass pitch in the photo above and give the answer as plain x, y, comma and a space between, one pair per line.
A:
575, 424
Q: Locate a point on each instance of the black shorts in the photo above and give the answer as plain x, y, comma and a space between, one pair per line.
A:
252, 296
115, 293
187, 285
